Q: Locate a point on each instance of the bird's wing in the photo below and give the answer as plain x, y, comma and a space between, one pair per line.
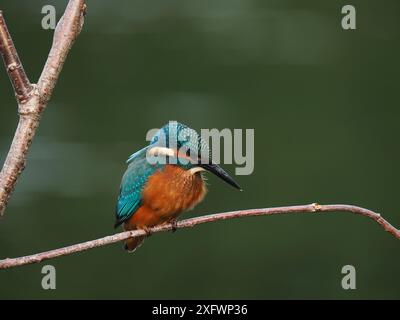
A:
133, 182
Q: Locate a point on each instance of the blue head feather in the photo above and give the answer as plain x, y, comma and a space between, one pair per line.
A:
178, 136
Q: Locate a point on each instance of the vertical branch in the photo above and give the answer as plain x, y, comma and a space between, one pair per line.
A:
32, 98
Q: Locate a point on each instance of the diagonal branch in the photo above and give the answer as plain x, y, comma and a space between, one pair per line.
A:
67, 30
32, 99
188, 223
15, 70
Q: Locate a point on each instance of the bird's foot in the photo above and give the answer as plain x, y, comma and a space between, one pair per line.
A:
174, 225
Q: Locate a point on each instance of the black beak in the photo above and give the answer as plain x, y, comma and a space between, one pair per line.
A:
221, 173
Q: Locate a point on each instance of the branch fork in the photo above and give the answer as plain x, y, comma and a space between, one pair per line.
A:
33, 98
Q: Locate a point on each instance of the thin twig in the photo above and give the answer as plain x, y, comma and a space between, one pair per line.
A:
15, 70
32, 99
188, 223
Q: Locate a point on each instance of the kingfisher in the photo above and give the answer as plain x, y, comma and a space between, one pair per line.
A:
165, 179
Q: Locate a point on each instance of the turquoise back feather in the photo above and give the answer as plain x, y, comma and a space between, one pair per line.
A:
133, 182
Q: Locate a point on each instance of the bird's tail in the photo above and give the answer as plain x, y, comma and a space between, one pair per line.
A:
133, 243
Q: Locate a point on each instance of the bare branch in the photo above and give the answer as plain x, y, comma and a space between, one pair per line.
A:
31, 98
67, 30
188, 223
15, 70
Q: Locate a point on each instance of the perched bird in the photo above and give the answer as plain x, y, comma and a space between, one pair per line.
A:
164, 179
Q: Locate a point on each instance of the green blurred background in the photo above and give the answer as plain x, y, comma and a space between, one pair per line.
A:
324, 104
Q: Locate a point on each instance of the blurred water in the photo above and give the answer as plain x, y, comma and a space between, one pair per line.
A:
324, 106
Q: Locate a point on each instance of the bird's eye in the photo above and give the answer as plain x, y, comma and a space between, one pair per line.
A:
188, 151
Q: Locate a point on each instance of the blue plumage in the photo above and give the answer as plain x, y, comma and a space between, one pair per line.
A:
133, 182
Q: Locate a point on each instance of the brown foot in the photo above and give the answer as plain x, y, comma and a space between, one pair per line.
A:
174, 224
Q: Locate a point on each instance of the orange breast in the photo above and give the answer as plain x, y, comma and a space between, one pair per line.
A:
167, 194
173, 190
